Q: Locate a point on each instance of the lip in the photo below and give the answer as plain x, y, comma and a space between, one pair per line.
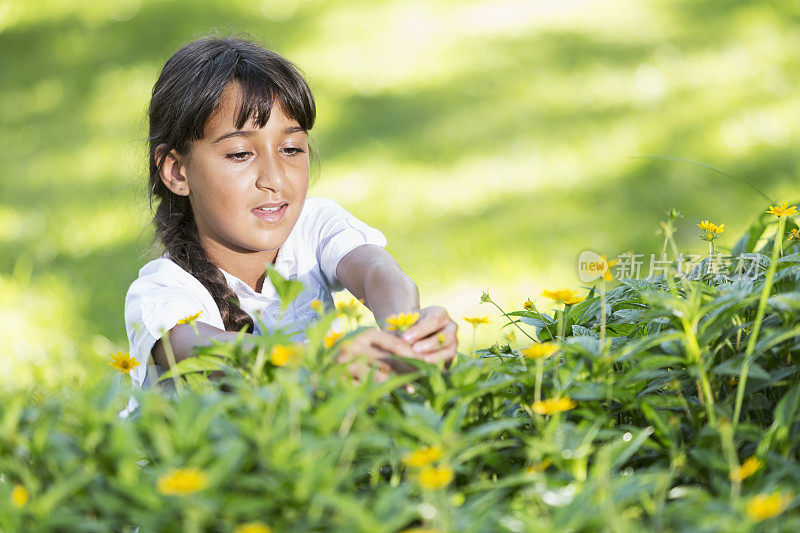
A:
272, 204
275, 216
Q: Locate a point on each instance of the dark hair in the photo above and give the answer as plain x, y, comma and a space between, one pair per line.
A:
185, 95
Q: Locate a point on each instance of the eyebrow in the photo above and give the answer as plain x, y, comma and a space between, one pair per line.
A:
249, 133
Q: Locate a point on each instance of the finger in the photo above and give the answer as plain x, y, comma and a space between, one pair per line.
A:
357, 371
380, 375
389, 343
360, 370
396, 365
378, 370
431, 319
360, 346
437, 341
377, 348
363, 356
446, 352
445, 355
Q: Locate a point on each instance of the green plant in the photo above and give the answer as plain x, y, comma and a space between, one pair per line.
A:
640, 430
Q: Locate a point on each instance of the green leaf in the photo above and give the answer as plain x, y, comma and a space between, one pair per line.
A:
200, 363
287, 289
783, 418
733, 367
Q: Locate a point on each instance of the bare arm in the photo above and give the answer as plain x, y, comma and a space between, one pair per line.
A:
183, 339
370, 273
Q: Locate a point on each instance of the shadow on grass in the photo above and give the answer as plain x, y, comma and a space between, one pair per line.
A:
528, 231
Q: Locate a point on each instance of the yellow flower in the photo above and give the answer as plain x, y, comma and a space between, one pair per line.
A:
750, 466
349, 309
528, 305
182, 481
123, 362
760, 507
401, 321
476, 320
783, 210
280, 355
538, 467
318, 306
19, 496
331, 337
441, 338
432, 477
710, 227
607, 274
423, 456
794, 235
190, 318
710, 230
568, 296
543, 349
253, 527
553, 405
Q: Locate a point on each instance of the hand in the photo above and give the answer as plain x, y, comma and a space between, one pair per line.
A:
376, 348
433, 336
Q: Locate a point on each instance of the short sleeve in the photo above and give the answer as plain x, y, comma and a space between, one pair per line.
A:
339, 232
153, 305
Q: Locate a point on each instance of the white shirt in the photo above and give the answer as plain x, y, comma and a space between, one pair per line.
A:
165, 293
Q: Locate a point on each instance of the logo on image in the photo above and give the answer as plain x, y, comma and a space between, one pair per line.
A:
592, 266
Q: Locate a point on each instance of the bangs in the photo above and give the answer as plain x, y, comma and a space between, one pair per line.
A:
192, 81
260, 88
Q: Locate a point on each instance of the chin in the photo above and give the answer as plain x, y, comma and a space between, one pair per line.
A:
268, 247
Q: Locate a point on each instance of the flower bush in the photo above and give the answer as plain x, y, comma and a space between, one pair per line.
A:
666, 404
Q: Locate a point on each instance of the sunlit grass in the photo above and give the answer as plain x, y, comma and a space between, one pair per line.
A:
490, 141
55, 346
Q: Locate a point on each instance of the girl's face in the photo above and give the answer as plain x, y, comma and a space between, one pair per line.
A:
230, 173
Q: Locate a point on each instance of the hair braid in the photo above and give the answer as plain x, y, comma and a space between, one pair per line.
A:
177, 231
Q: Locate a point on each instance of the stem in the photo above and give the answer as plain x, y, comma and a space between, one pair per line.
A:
712, 252
762, 304
696, 356
515, 322
673, 245
709, 396
537, 394
562, 324
726, 436
685, 405
260, 360
172, 363
603, 314
191, 520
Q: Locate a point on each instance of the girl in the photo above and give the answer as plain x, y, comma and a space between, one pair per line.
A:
229, 161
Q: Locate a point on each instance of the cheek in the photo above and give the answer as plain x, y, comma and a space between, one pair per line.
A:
222, 199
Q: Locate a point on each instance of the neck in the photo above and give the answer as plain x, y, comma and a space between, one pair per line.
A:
247, 265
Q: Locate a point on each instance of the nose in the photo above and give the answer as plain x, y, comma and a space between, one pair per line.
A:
270, 172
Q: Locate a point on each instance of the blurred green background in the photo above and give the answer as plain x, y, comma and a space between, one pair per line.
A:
491, 141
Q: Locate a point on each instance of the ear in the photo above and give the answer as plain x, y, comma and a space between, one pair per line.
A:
173, 170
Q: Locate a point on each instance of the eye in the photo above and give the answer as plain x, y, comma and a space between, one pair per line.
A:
294, 151
239, 157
